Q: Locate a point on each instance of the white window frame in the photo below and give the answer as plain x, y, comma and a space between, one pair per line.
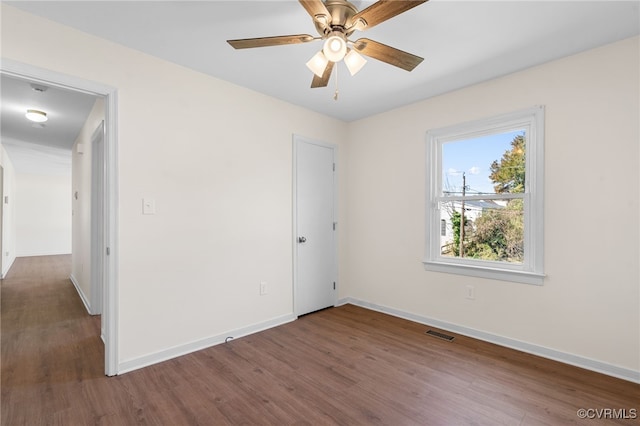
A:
531, 270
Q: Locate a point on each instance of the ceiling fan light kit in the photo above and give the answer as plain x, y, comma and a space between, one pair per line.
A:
354, 62
318, 63
335, 21
335, 46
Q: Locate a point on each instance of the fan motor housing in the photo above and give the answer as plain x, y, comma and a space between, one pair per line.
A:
341, 13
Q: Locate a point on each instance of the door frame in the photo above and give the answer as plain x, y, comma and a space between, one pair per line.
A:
110, 196
97, 221
1, 221
298, 139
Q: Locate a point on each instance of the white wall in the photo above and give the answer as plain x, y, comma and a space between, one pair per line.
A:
217, 159
81, 222
589, 303
8, 213
43, 215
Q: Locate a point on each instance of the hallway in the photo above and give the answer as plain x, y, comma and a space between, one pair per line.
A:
49, 342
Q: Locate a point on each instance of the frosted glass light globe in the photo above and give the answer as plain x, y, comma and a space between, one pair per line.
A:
335, 47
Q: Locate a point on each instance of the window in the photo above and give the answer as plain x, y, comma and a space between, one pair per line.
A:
485, 183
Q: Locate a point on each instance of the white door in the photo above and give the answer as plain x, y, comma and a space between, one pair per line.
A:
314, 226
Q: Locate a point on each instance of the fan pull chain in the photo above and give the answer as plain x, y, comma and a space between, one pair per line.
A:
335, 95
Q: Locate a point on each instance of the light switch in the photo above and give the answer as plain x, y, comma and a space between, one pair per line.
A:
148, 206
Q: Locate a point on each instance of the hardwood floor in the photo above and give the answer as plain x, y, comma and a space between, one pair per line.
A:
343, 365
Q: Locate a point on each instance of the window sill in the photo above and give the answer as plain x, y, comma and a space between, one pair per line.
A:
484, 272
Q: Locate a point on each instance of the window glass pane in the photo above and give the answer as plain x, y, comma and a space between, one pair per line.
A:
493, 164
493, 230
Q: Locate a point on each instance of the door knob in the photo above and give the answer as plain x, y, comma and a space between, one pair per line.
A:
302, 239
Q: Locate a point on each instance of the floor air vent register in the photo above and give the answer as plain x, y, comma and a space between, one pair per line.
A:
440, 335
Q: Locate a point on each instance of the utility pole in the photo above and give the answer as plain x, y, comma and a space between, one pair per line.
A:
464, 189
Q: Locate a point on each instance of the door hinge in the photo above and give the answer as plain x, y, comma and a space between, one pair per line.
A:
334, 226
108, 251
334, 167
334, 285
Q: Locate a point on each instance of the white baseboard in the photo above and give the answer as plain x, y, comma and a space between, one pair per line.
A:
8, 266
567, 358
43, 253
176, 351
83, 297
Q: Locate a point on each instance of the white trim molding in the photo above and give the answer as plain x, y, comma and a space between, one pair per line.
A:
41, 253
187, 348
544, 352
83, 297
7, 267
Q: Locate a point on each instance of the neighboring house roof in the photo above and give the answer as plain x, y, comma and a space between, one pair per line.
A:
483, 204
480, 204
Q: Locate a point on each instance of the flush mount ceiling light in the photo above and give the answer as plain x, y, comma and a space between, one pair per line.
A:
335, 21
36, 116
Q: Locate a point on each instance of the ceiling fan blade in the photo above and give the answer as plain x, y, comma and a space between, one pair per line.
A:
381, 11
387, 54
245, 43
318, 11
324, 80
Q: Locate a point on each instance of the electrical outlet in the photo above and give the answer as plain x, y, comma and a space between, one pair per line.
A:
471, 292
263, 288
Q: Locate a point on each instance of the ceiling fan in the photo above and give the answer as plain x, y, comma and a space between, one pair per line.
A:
335, 21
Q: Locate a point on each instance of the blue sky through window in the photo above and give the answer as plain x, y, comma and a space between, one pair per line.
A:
473, 157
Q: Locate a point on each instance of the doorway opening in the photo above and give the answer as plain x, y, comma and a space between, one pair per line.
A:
104, 217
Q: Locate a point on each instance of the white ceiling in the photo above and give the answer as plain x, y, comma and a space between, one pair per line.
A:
463, 43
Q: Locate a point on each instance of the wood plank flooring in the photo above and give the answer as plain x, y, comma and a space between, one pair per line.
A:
345, 365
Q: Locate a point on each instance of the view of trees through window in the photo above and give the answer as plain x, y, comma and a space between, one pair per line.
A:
483, 187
